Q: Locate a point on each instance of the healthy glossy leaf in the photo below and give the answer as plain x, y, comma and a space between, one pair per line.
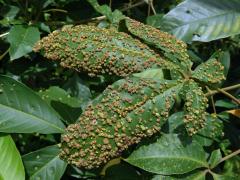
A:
174, 49
154, 20
22, 39
100, 51
194, 20
75, 87
194, 107
11, 166
215, 158
232, 165
115, 172
68, 107
44, 164
194, 175
23, 111
169, 155
225, 104
211, 72
122, 115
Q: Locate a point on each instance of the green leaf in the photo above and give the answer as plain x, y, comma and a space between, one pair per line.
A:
154, 20
11, 166
127, 111
174, 49
22, 39
194, 175
232, 165
100, 51
210, 72
194, 20
115, 172
215, 158
225, 104
225, 176
68, 107
75, 87
23, 111
44, 164
169, 155
151, 73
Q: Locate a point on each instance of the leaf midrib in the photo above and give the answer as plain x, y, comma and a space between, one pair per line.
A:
169, 157
34, 117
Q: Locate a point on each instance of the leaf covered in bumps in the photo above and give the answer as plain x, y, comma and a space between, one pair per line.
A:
171, 47
99, 51
194, 107
210, 72
127, 111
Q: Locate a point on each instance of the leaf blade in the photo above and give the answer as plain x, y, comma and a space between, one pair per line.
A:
21, 115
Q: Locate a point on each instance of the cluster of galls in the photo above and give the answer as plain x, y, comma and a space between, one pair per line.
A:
122, 115
194, 107
174, 49
99, 51
210, 72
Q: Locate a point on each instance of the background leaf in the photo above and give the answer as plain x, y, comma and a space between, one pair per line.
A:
22, 39
11, 166
23, 111
169, 155
44, 164
68, 107
203, 20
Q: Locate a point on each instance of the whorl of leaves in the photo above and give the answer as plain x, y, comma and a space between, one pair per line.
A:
122, 115
99, 51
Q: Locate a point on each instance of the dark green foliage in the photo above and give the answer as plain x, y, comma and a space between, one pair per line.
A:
138, 103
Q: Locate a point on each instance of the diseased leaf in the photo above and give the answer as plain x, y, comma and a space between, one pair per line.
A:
194, 107
211, 72
22, 39
100, 51
23, 111
169, 155
235, 112
11, 166
194, 20
44, 164
174, 49
122, 115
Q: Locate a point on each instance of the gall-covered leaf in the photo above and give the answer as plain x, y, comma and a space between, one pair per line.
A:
122, 115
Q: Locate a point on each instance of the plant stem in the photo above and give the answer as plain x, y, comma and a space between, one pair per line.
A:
212, 101
4, 34
229, 156
4, 54
229, 95
212, 92
152, 7
55, 10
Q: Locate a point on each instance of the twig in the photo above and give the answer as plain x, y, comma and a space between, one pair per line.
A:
4, 54
152, 7
56, 10
149, 7
229, 156
212, 92
212, 101
229, 95
4, 34
110, 3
